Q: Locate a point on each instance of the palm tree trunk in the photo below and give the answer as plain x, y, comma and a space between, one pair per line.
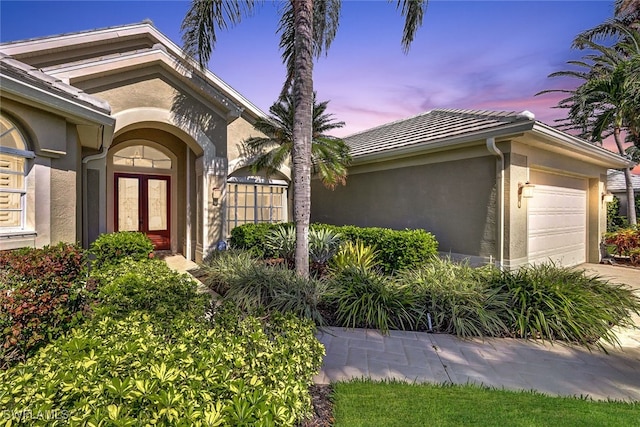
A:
302, 128
631, 201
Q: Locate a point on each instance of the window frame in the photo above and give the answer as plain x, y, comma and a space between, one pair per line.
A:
26, 155
258, 186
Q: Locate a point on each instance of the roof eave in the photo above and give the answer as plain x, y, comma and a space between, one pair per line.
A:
574, 144
248, 109
460, 141
23, 92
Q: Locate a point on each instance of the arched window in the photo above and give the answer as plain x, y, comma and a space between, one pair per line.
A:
13, 167
142, 156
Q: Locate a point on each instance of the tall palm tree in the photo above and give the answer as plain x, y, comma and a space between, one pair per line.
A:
329, 155
305, 34
607, 102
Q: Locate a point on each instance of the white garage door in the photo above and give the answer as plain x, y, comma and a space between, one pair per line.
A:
557, 225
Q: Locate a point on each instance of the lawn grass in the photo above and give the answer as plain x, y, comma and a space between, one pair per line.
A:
368, 403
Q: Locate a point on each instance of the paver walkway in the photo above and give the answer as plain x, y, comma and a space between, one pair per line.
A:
503, 363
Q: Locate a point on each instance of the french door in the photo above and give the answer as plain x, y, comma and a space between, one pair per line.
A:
142, 203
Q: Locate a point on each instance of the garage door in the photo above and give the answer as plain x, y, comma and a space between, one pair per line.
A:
557, 225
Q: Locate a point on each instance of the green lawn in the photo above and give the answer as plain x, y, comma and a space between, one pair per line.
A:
367, 403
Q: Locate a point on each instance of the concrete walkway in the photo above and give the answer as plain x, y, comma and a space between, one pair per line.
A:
503, 363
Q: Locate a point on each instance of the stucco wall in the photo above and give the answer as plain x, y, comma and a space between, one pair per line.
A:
53, 199
237, 132
455, 200
152, 89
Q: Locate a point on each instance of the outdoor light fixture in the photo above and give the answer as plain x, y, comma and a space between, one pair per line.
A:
607, 197
525, 191
217, 193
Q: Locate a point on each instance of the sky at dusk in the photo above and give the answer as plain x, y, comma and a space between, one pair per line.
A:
468, 54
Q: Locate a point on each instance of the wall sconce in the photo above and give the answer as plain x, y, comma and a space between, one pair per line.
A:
525, 191
217, 194
607, 197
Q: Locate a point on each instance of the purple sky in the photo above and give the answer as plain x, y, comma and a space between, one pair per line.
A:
468, 54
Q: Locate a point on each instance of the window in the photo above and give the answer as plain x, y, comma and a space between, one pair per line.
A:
142, 156
13, 166
255, 203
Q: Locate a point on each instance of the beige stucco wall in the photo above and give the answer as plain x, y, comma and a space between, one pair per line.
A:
154, 89
455, 200
53, 199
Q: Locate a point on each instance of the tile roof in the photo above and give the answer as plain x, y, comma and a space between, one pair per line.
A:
616, 181
25, 73
429, 127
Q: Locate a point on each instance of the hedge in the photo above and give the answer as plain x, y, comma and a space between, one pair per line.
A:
398, 249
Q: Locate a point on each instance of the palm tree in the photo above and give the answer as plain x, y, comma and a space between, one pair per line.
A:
305, 33
607, 102
329, 155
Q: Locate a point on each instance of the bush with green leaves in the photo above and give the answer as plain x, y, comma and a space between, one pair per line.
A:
253, 237
454, 298
110, 248
257, 287
130, 372
281, 242
221, 268
399, 249
148, 285
363, 298
354, 254
42, 294
557, 303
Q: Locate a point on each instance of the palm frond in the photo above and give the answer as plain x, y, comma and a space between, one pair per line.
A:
204, 18
413, 13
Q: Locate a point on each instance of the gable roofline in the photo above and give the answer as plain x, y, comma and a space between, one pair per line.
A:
445, 129
61, 42
22, 83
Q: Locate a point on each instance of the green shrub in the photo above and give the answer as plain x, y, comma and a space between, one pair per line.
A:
42, 295
129, 372
366, 299
221, 268
355, 254
453, 298
281, 242
557, 303
256, 287
399, 249
253, 237
149, 286
614, 219
323, 245
112, 247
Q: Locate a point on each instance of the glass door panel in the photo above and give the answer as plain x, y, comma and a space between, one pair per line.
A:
128, 204
157, 204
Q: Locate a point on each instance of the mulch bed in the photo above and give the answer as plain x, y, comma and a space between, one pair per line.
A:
322, 406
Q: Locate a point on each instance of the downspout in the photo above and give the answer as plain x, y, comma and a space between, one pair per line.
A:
85, 205
493, 149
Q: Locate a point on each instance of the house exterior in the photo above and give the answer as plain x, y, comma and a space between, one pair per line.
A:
493, 187
617, 185
114, 129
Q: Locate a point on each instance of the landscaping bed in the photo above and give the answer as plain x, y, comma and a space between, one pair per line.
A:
151, 350
354, 289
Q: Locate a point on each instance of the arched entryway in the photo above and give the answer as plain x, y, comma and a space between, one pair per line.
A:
143, 177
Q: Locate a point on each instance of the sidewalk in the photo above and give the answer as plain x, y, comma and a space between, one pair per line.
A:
503, 363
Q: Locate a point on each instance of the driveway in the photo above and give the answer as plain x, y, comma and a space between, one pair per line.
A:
503, 363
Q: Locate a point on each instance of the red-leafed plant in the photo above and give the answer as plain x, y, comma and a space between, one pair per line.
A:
626, 242
42, 294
